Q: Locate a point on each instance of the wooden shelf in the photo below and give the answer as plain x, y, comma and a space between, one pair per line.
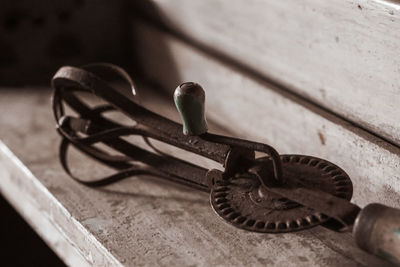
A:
139, 221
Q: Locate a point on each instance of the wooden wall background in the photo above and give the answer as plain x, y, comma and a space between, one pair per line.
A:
342, 55
317, 78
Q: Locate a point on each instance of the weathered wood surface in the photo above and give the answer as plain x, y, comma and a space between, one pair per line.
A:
344, 55
46, 215
142, 221
254, 109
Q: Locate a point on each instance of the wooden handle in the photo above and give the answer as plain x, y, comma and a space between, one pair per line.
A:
189, 100
377, 230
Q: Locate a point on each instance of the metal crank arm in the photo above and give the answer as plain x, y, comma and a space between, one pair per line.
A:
272, 194
163, 129
224, 150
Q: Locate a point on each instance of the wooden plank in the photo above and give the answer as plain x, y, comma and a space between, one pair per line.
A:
253, 109
46, 215
343, 55
140, 221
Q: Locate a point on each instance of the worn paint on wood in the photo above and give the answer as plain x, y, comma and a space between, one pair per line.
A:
140, 221
256, 110
344, 55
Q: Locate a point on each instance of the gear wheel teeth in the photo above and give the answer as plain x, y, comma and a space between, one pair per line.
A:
232, 199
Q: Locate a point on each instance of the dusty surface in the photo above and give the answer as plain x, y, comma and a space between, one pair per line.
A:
142, 221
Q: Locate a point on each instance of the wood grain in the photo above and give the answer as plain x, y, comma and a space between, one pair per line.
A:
253, 109
343, 55
141, 221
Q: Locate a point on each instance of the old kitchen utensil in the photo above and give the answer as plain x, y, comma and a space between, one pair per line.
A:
272, 194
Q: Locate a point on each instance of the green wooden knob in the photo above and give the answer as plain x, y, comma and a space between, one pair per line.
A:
189, 99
